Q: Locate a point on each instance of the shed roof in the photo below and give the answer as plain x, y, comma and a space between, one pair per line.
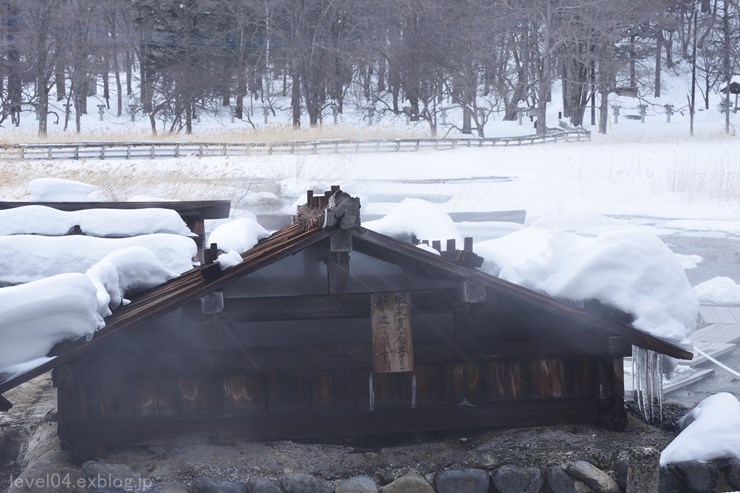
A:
202, 280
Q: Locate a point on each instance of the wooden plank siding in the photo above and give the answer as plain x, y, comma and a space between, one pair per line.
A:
446, 385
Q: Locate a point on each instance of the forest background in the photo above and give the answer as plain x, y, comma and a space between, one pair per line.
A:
168, 60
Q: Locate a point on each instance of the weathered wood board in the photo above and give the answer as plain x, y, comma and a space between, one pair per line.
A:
390, 319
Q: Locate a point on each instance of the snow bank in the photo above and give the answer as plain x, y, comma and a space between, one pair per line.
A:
713, 432
29, 258
628, 269
59, 190
719, 290
35, 316
239, 235
419, 217
36, 219
119, 272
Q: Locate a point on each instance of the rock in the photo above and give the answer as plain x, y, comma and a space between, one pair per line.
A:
168, 488
409, 483
642, 470
303, 483
262, 485
581, 487
558, 480
669, 482
595, 478
516, 479
699, 477
45, 468
463, 481
101, 477
733, 473
203, 484
358, 484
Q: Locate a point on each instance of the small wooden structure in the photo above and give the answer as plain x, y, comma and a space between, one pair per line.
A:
328, 328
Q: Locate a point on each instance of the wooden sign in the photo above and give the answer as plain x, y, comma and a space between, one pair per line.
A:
390, 318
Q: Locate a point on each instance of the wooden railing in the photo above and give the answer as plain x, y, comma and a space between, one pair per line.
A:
155, 150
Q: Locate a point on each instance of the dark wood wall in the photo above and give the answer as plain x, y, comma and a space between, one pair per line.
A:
276, 364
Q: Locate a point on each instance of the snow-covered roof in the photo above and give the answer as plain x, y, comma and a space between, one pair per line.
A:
164, 296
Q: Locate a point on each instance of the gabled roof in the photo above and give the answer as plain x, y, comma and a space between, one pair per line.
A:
200, 281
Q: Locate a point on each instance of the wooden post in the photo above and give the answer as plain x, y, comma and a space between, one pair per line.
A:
337, 262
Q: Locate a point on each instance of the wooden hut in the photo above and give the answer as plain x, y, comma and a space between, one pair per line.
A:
327, 328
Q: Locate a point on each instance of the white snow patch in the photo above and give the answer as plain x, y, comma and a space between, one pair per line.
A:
29, 258
427, 248
239, 235
689, 261
718, 290
121, 271
60, 190
229, 259
35, 316
713, 432
628, 269
36, 219
419, 217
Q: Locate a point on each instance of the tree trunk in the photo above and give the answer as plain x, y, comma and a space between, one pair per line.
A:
59, 79
658, 56
726, 67
106, 84
604, 103
43, 104
633, 59
295, 99
567, 108
128, 62
381, 75
119, 91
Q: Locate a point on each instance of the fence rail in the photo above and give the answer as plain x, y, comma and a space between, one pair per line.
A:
154, 150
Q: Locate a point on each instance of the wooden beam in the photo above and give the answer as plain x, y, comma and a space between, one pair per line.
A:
115, 364
337, 266
262, 426
313, 307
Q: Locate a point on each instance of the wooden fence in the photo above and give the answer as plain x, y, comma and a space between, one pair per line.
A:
154, 150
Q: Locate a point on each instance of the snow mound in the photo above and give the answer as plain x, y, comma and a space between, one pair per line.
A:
418, 217
689, 261
239, 235
119, 272
229, 259
713, 432
60, 190
35, 316
631, 270
29, 258
718, 290
36, 219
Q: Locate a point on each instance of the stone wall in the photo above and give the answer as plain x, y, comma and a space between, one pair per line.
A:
637, 472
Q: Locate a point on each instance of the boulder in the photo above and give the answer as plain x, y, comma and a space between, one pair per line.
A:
516, 479
357, 484
204, 484
463, 481
699, 477
303, 483
595, 478
409, 483
558, 480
